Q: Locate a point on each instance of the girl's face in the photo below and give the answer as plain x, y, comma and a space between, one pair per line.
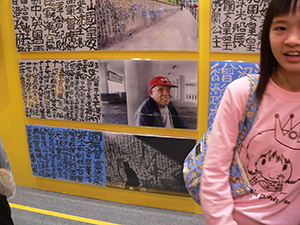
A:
285, 42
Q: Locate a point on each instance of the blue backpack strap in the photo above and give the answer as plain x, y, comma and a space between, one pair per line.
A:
237, 171
250, 111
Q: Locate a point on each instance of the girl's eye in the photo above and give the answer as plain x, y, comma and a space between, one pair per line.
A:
280, 28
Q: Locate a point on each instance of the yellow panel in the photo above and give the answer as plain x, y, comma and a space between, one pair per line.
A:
178, 203
246, 57
203, 76
12, 118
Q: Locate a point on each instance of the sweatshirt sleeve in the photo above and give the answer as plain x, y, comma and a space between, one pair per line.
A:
215, 194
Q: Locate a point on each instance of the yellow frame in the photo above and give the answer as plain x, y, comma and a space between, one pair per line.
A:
12, 118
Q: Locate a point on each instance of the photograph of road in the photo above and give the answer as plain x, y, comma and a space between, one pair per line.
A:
147, 25
89, 25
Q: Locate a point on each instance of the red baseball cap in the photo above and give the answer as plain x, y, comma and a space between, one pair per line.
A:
160, 80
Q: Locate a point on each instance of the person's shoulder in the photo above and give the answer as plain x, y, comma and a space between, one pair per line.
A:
238, 91
147, 104
240, 85
171, 104
244, 81
172, 108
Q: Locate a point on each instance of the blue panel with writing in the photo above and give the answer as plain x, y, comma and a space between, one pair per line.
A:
69, 154
221, 74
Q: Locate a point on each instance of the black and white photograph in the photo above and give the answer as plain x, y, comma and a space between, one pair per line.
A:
147, 25
111, 91
146, 163
89, 25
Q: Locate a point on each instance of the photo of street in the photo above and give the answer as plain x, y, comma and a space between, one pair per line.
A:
148, 25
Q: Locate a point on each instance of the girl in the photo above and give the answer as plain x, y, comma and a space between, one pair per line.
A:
271, 151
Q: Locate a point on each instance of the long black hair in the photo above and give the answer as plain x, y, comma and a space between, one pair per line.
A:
267, 60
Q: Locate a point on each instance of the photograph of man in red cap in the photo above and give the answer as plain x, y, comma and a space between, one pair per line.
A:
158, 110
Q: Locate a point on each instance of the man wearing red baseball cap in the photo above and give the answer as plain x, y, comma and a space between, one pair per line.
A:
158, 110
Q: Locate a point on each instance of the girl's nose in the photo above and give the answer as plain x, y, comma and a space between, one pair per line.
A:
293, 39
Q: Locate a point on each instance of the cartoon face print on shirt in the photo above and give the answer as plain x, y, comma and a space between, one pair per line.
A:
272, 171
274, 168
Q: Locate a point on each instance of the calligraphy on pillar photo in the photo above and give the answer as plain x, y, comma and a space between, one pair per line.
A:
236, 26
158, 93
89, 25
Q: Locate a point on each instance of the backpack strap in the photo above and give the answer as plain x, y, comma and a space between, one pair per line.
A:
245, 125
250, 112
